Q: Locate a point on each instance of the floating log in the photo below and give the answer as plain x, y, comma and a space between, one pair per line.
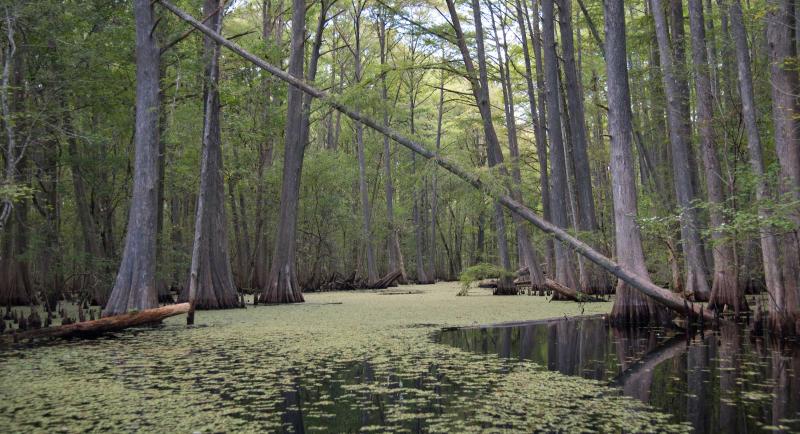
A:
103, 325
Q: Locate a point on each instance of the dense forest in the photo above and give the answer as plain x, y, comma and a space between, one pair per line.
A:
144, 162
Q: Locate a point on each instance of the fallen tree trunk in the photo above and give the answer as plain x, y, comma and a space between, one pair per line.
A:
102, 325
642, 284
568, 292
386, 280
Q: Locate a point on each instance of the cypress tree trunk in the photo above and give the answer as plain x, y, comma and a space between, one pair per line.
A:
395, 255
769, 243
372, 270
135, 285
211, 280
565, 272
591, 278
725, 291
528, 255
781, 34
696, 280
630, 306
541, 138
282, 285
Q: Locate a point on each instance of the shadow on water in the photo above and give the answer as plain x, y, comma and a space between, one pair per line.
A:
721, 381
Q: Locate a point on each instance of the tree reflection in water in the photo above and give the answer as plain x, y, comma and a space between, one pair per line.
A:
724, 380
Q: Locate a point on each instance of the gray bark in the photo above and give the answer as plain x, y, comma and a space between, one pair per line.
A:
725, 291
565, 272
282, 285
630, 306
784, 78
540, 116
528, 255
696, 279
769, 242
372, 269
395, 254
210, 277
135, 285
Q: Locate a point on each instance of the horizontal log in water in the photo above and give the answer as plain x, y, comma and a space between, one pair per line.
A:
642, 284
102, 325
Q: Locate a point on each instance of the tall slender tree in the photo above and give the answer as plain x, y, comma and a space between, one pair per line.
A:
725, 291
696, 279
282, 285
781, 36
630, 306
769, 242
565, 271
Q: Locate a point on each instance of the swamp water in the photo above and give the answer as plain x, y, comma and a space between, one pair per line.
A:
720, 381
341, 362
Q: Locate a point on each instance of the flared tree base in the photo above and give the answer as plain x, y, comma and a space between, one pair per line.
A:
726, 296
632, 308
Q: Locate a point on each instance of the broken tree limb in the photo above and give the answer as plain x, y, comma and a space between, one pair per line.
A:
385, 281
103, 325
642, 284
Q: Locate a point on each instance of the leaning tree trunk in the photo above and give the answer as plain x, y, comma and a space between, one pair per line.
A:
211, 279
565, 272
630, 306
725, 291
781, 34
282, 285
135, 286
696, 279
769, 243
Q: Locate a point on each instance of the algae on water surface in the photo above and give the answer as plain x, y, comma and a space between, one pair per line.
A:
367, 364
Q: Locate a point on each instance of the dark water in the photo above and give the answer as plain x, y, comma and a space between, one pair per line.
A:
720, 381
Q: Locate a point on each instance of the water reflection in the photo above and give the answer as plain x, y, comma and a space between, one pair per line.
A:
718, 381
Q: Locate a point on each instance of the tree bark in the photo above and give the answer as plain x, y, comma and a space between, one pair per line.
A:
565, 272
135, 285
630, 306
769, 243
282, 285
527, 253
372, 269
540, 117
591, 279
210, 278
395, 254
781, 34
725, 291
479, 84
696, 279
103, 325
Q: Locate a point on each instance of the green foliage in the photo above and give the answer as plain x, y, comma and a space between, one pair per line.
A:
15, 192
481, 271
